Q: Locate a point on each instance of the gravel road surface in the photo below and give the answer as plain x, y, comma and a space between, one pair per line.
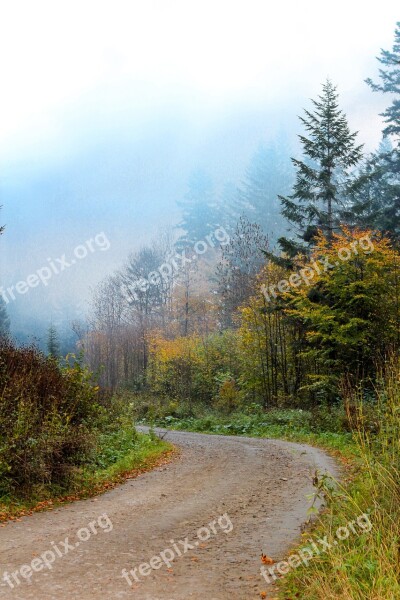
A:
194, 528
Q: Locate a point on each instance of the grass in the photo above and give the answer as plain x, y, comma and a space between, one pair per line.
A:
293, 425
366, 565
121, 455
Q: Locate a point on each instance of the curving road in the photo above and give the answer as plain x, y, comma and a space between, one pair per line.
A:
192, 529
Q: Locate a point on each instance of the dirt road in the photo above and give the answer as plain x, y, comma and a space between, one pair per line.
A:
201, 522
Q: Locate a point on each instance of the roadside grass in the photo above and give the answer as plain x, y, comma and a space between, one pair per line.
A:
61, 437
289, 424
365, 565
120, 455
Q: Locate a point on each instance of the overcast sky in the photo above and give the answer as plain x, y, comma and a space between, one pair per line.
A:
107, 107
200, 54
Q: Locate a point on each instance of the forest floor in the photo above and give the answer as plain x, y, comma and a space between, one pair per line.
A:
202, 522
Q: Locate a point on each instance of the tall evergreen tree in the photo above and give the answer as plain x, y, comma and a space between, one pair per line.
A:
329, 151
231, 206
374, 193
200, 214
389, 75
376, 190
53, 344
4, 320
267, 175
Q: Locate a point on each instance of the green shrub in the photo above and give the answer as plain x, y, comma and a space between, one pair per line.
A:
228, 398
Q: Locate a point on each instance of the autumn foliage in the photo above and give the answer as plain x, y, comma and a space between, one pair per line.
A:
47, 415
335, 316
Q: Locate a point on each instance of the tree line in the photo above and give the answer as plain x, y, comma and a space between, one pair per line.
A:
208, 332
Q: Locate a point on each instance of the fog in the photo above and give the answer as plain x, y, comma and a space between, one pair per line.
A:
107, 108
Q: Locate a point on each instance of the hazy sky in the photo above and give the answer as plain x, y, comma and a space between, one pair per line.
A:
201, 54
107, 107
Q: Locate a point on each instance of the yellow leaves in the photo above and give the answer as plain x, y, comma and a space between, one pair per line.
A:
165, 350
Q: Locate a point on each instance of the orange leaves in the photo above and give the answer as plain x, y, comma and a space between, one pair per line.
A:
172, 362
266, 560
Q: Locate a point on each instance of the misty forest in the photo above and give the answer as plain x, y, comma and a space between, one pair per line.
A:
227, 268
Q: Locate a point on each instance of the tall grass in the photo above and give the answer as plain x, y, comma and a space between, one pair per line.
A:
364, 566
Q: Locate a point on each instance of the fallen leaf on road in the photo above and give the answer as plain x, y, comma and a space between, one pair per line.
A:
266, 560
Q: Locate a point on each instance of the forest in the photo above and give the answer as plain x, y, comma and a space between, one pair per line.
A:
271, 309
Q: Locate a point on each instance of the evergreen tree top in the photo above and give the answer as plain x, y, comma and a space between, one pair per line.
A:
330, 141
389, 76
329, 151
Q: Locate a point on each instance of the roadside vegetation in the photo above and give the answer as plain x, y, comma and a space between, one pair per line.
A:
294, 337
366, 565
60, 438
363, 433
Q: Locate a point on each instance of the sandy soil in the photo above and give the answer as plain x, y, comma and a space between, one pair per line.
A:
260, 485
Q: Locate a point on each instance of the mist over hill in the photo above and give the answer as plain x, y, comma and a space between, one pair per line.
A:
115, 155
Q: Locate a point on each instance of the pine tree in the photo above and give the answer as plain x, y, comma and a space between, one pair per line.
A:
390, 84
267, 175
4, 320
53, 344
376, 192
231, 206
200, 214
329, 151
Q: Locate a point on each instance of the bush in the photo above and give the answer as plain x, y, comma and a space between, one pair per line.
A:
189, 369
228, 398
47, 419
